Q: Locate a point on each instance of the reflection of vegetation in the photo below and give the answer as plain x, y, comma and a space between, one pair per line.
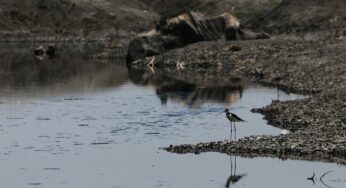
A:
190, 92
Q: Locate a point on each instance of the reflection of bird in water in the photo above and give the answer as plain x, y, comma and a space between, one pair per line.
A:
40, 52
233, 178
233, 118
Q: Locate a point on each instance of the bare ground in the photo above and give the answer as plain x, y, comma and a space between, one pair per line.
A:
313, 64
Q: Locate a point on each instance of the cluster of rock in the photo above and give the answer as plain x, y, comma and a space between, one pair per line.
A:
283, 146
188, 28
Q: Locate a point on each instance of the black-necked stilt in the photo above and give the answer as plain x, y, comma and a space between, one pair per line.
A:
233, 118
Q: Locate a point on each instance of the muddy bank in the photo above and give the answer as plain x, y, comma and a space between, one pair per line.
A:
249, 148
313, 64
318, 130
305, 64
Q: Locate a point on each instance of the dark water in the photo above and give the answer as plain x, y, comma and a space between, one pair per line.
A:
69, 121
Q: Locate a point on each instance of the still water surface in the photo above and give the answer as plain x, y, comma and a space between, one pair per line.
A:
73, 122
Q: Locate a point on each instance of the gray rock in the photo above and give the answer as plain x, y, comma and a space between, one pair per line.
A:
188, 28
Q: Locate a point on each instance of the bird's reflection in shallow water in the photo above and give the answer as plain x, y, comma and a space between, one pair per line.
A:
234, 177
192, 91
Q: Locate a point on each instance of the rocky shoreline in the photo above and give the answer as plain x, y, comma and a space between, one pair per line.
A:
310, 66
317, 135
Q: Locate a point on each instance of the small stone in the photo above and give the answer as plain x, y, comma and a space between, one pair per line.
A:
235, 48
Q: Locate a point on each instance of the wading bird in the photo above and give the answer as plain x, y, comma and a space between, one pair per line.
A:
233, 118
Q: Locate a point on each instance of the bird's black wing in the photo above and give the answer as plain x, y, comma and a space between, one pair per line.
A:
237, 118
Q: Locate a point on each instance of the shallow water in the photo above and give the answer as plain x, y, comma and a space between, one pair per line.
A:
73, 122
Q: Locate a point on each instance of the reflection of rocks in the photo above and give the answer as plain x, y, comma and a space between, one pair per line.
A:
40, 52
193, 95
50, 50
185, 29
70, 69
192, 92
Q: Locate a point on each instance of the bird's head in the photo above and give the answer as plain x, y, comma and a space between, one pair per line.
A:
226, 110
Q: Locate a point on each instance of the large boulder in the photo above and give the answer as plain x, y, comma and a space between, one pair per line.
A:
185, 29
149, 44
